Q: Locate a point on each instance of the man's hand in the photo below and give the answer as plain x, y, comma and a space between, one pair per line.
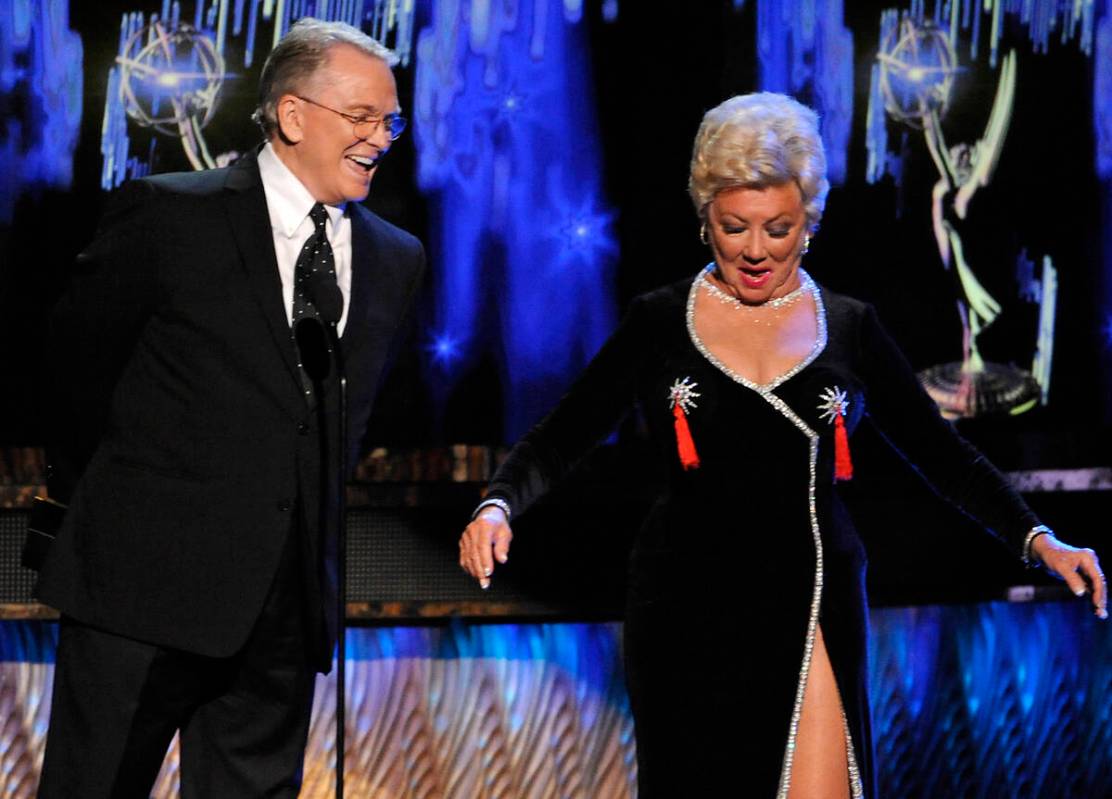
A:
485, 540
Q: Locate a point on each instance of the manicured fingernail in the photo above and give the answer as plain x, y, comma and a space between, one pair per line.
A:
504, 558
1102, 613
485, 584
1079, 592
486, 572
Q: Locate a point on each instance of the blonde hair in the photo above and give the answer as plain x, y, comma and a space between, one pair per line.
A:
757, 140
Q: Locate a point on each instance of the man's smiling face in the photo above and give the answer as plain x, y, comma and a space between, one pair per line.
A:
327, 155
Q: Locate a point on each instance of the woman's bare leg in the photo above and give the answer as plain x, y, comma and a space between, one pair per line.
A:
820, 769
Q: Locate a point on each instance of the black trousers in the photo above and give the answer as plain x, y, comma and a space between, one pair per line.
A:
244, 720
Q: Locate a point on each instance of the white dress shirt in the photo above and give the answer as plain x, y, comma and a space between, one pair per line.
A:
288, 202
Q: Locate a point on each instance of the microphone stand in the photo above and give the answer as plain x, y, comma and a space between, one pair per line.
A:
329, 302
341, 566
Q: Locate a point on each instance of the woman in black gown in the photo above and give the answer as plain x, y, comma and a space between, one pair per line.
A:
746, 600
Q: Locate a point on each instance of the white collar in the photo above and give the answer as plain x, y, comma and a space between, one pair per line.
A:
287, 199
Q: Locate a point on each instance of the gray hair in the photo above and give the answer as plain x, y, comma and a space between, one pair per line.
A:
758, 140
296, 58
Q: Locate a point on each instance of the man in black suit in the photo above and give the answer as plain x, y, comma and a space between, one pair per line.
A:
196, 567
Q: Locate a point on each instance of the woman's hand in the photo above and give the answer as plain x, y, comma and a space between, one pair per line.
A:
485, 540
1075, 566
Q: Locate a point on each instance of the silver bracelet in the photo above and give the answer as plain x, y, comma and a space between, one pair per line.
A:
496, 502
1034, 533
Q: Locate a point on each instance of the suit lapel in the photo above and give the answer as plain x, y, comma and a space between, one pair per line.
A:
245, 203
365, 259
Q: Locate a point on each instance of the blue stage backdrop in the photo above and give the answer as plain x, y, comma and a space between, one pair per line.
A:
509, 161
41, 87
1102, 128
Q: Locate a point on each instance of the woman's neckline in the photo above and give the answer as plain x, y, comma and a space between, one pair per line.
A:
763, 388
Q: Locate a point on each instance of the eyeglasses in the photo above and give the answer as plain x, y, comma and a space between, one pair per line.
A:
366, 126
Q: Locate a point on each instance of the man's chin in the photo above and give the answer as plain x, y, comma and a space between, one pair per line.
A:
357, 193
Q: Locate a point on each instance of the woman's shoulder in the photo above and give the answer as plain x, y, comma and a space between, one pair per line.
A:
656, 313
842, 303
845, 320
665, 298
842, 309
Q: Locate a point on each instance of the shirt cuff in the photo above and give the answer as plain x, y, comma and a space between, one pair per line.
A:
1028, 559
496, 502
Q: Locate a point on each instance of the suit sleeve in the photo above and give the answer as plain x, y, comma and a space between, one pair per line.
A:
94, 326
908, 419
418, 268
415, 279
584, 415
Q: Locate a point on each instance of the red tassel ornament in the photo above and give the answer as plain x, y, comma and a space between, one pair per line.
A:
682, 396
843, 465
834, 405
684, 444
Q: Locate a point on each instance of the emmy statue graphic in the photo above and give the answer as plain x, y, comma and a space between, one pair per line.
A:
169, 79
917, 69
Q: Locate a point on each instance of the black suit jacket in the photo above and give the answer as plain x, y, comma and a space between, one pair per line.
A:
183, 413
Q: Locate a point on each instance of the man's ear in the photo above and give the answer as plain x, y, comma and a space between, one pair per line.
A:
290, 119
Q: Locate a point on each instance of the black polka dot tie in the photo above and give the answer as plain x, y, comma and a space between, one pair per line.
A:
315, 257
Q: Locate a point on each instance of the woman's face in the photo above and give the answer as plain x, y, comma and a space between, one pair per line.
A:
757, 237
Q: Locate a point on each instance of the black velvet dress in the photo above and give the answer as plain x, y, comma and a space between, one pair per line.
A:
743, 558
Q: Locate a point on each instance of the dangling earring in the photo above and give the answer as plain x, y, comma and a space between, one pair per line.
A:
703, 233
806, 245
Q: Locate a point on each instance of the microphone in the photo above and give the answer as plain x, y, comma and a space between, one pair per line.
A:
313, 346
313, 341
322, 290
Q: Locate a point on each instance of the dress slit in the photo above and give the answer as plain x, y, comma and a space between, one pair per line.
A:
822, 684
